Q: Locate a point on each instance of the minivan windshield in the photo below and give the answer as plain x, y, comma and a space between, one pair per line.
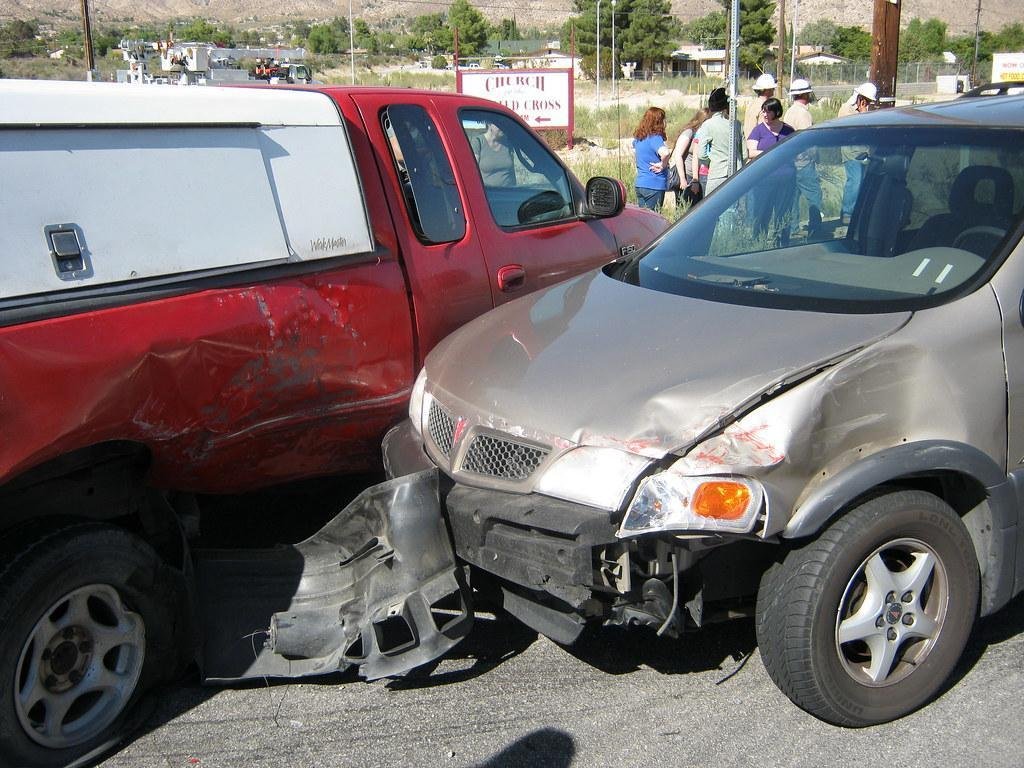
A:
850, 219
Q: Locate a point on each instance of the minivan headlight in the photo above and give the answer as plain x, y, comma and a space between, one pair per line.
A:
416, 402
592, 475
669, 501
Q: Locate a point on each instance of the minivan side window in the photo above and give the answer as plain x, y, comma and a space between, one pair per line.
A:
428, 181
525, 185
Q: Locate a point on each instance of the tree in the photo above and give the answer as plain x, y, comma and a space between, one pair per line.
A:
757, 33
472, 26
648, 32
507, 30
105, 42
322, 40
339, 26
18, 38
430, 33
1009, 38
201, 31
923, 41
708, 30
852, 42
364, 37
820, 33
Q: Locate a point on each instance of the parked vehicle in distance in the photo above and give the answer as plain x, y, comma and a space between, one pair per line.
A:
1009, 88
281, 72
214, 290
814, 421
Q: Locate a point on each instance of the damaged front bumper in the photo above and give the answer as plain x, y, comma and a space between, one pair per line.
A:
560, 564
377, 587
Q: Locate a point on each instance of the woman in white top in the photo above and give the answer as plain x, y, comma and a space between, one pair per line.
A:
682, 158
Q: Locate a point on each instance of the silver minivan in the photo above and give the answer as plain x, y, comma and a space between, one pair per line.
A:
803, 403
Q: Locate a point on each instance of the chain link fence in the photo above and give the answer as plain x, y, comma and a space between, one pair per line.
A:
917, 78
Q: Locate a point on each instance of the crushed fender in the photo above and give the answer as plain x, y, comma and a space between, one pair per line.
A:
377, 587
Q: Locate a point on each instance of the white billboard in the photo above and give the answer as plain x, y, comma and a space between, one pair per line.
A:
542, 97
1007, 67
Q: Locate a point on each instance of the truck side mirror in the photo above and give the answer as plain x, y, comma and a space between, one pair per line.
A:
605, 197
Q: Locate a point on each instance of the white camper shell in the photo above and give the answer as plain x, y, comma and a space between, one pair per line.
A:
216, 178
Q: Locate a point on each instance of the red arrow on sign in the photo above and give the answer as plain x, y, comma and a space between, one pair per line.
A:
543, 119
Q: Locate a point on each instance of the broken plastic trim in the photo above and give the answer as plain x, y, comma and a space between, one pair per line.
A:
365, 590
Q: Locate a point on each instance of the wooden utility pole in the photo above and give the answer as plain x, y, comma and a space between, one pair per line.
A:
90, 63
780, 64
884, 49
977, 37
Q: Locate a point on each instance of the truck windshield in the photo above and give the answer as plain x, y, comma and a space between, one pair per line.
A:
850, 219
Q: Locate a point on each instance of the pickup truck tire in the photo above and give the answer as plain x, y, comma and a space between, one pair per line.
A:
865, 623
87, 612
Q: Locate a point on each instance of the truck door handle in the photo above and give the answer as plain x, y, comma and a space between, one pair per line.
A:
511, 277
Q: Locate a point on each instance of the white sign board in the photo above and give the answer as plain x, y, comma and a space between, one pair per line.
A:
1007, 67
542, 97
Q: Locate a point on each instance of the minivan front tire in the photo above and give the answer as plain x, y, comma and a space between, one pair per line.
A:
865, 623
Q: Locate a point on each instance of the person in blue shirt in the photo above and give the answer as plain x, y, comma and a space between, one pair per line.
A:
652, 152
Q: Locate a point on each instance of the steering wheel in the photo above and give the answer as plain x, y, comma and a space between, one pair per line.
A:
982, 233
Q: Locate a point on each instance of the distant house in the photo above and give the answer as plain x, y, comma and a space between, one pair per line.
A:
57, 54
819, 58
533, 54
698, 61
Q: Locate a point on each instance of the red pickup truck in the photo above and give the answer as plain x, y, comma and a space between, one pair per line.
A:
212, 290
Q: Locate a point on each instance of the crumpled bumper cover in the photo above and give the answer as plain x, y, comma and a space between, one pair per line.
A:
377, 587
534, 541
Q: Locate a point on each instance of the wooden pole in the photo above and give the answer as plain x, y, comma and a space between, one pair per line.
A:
884, 49
780, 64
977, 36
90, 62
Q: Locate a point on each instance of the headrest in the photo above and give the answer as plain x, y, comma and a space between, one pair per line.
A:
984, 189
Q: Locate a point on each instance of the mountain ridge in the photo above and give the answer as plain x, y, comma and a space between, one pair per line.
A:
959, 18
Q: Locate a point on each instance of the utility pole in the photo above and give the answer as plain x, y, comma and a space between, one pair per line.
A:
598, 54
615, 93
90, 63
794, 44
351, 44
977, 36
781, 58
734, 68
884, 49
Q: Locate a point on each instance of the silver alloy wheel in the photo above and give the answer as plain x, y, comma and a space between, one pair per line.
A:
78, 667
892, 610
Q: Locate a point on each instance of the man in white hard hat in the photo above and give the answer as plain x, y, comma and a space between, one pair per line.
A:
764, 88
808, 186
799, 113
864, 97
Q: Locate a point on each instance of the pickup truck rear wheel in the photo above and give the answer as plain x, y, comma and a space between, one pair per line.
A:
865, 623
86, 611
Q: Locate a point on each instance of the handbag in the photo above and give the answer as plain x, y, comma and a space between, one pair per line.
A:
672, 182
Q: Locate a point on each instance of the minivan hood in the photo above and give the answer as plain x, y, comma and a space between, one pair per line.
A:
595, 361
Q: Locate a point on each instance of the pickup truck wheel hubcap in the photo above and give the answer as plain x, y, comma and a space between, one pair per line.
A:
79, 667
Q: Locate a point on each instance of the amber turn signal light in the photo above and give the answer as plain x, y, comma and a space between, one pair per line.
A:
723, 500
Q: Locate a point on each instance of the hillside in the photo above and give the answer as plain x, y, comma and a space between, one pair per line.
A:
960, 17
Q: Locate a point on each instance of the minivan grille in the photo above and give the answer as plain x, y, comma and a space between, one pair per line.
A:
441, 426
501, 458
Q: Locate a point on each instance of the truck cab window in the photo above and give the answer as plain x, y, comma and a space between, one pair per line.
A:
428, 181
524, 183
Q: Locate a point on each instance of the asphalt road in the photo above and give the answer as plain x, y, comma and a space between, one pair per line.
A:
506, 697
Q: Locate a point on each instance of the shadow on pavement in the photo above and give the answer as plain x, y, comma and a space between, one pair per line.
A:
1004, 624
492, 642
547, 747
620, 651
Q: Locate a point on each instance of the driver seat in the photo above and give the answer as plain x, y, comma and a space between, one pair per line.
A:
981, 195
